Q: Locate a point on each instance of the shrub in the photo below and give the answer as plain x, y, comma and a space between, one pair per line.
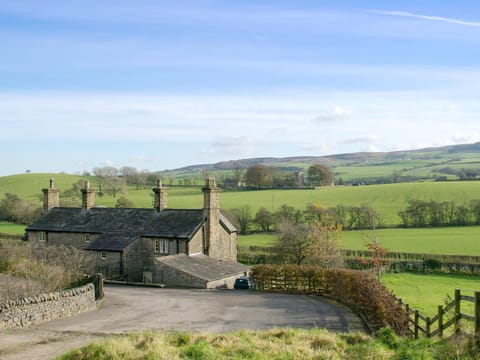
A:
34, 268
358, 289
432, 264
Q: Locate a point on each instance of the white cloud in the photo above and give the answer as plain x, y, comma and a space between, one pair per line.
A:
108, 163
237, 146
163, 131
461, 138
335, 114
318, 148
361, 140
427, 17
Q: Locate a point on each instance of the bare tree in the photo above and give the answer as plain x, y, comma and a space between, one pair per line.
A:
319, 174
258, 176
238, 174
315, 243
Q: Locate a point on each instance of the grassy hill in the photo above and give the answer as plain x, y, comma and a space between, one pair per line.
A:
387, 199
29, 186
422, 164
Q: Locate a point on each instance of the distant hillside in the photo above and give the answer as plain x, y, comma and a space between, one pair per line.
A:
441, 163
446, 162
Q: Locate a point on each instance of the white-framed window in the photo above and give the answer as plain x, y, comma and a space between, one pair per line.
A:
103, 255
160, 246
43, 236
86, 237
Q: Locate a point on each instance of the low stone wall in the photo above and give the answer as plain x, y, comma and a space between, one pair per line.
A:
46, 307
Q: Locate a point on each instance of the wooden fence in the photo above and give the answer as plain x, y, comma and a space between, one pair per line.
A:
446, 317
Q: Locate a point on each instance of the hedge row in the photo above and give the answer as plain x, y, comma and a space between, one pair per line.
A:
358, 289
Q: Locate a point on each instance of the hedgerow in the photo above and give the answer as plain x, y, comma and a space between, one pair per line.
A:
358, 289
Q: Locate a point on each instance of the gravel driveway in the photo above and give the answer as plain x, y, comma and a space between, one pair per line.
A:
128, 309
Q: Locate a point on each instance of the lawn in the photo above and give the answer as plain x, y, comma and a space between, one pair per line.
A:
425, 292
259, 239
448, 241
11, 229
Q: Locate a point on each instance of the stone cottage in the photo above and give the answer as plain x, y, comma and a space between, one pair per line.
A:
175, 247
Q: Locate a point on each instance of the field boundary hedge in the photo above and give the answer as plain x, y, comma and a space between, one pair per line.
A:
10, 236
360, 290
393, 261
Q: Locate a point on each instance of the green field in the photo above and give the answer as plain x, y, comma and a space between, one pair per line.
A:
425, 292
387, 200
447, 241
11, 229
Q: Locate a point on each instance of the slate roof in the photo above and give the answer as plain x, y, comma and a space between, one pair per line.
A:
203, 266
120, 227
227, 225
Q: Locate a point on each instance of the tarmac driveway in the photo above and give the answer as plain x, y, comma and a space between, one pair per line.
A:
128, 309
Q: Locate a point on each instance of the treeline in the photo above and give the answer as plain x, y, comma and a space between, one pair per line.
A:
347, 217
17, 210
421, 213
261, 176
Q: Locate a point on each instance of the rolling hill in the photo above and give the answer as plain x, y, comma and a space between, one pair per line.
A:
446, 162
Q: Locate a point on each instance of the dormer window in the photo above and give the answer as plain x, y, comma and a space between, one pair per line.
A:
160, 246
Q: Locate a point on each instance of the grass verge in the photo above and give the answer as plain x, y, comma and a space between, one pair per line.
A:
280, 343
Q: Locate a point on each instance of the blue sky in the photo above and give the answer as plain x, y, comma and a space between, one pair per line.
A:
164, 84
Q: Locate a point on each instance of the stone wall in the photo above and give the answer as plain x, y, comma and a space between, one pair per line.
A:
78, 240
111, 266
227, 246
133, 262
195, 245
46, 307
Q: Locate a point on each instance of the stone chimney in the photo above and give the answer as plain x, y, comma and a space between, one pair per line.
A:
160, 201
211, 209
88, 197
50, 197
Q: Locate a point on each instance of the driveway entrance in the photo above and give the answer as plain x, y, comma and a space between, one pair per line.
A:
128, 309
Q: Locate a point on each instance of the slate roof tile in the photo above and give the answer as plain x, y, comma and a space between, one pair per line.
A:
203, 266
120, 227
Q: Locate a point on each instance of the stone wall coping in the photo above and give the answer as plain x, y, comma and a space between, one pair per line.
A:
44, 297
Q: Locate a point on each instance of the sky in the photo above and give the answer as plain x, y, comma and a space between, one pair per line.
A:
162, 84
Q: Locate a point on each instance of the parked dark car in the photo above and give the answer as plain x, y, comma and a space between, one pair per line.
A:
243, 283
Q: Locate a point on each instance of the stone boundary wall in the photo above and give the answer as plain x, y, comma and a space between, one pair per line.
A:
45, 307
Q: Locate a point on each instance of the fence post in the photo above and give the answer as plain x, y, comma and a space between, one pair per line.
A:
457, 310
440, 320
427, 326
477, 318
407, 309
416, 324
